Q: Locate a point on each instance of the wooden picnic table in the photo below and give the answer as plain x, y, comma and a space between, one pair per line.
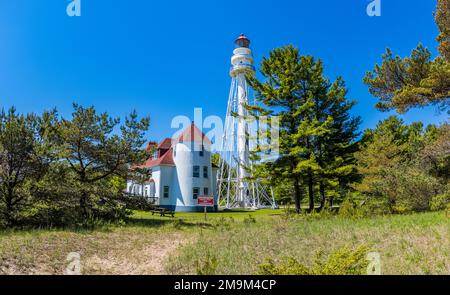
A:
163, 212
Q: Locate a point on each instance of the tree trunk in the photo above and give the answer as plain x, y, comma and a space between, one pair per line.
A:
297, 196
84, 204
84, 194
311, 191
331, 202
322, 196
9, 208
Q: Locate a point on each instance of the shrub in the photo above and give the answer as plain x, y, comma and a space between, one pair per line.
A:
408, 189
287, 266
340, 262
349, 209
133, 202
440, 202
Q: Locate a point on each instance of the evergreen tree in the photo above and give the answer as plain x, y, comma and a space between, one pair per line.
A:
316, 131
25, 157
94, 152
442, 17
336, 148
415, 81
404, 166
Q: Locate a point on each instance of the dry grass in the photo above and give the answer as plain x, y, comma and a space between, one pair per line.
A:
119, 251
229, 243
414, 244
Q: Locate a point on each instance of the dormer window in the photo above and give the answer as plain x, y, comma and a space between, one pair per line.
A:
155, 155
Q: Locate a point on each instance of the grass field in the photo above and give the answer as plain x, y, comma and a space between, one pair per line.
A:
229, 243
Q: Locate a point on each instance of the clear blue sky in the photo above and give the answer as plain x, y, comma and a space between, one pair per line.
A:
163, 58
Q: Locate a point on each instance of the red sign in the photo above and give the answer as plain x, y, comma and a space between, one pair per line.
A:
207, 201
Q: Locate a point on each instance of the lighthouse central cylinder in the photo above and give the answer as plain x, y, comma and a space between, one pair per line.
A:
242, 61
242, 134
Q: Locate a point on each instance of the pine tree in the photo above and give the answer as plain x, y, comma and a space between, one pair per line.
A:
25, 157
316, 132
94, 152
335, 149
417, 80
404, 166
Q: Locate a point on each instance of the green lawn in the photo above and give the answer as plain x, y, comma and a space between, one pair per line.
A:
230, 243
214, 216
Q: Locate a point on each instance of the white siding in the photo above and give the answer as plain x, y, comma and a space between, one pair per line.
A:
188, 156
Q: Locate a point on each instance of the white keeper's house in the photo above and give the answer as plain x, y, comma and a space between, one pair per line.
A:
181, 171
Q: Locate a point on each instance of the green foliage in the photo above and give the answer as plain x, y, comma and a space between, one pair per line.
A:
440, 202
317, 133
94, 154
352, 208
404, 166
397, 238
207, 265
442, 17
134, 202
25, 156
349, 209
415, 81
58, 172
343, 261
409, 189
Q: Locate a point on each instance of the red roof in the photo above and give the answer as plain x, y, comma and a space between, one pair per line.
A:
192, 133
165, 144
166, 159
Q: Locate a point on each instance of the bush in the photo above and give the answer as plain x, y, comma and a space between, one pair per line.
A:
133, 202
409, 189
340, 262
350, 209
440, 201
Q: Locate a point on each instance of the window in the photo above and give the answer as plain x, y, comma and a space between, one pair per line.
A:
155, 155
196, 171
205, 191
195, 192
205, 171
166, 191
202, 151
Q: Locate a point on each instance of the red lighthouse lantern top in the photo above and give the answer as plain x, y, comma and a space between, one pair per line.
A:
242, 41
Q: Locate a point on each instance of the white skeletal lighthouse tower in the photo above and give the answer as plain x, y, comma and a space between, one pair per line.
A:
236, 188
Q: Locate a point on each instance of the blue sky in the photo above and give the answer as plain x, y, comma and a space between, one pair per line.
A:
164, 58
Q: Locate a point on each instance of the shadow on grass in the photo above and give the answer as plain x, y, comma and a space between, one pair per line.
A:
177, 223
